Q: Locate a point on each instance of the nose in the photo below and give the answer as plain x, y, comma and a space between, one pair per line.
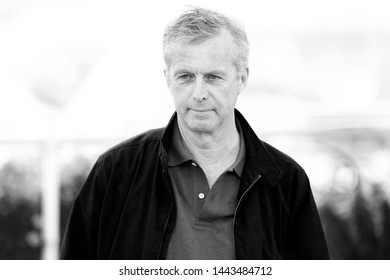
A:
200, 91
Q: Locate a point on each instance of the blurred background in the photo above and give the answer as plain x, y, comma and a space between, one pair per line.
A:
77, 77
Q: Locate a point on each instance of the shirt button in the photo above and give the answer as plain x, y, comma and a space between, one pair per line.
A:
201, 195
194, 164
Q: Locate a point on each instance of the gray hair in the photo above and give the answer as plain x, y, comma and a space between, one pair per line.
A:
197, 25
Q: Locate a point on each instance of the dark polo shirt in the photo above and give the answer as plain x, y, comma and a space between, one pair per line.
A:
204, 222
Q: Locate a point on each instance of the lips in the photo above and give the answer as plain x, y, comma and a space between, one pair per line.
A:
201, 110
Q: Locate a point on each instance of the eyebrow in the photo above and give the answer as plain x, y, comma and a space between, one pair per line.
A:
180, 71
214, 72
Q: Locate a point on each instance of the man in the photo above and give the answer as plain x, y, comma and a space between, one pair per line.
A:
204, 187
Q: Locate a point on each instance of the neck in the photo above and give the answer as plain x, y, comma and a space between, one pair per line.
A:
213, 146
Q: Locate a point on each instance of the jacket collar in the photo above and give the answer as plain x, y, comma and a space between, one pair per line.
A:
259, 161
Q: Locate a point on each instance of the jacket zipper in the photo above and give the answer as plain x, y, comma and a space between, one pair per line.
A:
238, 206
169, 214
165, 231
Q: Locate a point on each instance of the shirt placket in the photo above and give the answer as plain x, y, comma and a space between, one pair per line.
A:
201, 189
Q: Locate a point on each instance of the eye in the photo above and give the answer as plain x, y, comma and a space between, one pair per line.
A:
184, 77
212, 77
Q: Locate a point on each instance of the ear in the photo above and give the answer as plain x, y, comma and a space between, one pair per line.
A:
243, 79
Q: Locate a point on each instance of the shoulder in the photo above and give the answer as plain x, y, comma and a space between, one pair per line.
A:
280, 157
149, 137
143, 143
291, 170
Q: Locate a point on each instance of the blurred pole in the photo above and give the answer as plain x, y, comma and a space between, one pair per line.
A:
50, 199
56, 80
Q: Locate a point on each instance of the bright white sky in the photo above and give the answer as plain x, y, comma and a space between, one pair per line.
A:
115, 46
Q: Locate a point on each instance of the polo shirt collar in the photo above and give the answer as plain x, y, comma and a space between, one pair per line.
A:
179, 154
238, 165
258, 158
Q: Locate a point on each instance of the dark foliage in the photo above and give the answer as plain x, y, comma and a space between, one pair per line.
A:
363, 234
20, 213
20, 236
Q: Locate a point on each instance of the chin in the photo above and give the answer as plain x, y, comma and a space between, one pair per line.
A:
201, 126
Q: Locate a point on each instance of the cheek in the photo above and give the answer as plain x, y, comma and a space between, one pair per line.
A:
228, 96
180, 93
178, 99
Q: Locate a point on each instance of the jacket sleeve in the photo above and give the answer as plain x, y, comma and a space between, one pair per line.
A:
81, 234
307, 232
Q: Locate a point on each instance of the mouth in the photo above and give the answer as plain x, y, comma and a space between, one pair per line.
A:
201, 110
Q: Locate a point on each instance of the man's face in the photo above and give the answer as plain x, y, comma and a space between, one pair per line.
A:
204, 83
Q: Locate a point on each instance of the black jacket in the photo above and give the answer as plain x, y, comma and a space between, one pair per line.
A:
126, 208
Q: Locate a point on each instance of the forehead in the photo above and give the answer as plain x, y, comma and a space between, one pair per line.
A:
218, 50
